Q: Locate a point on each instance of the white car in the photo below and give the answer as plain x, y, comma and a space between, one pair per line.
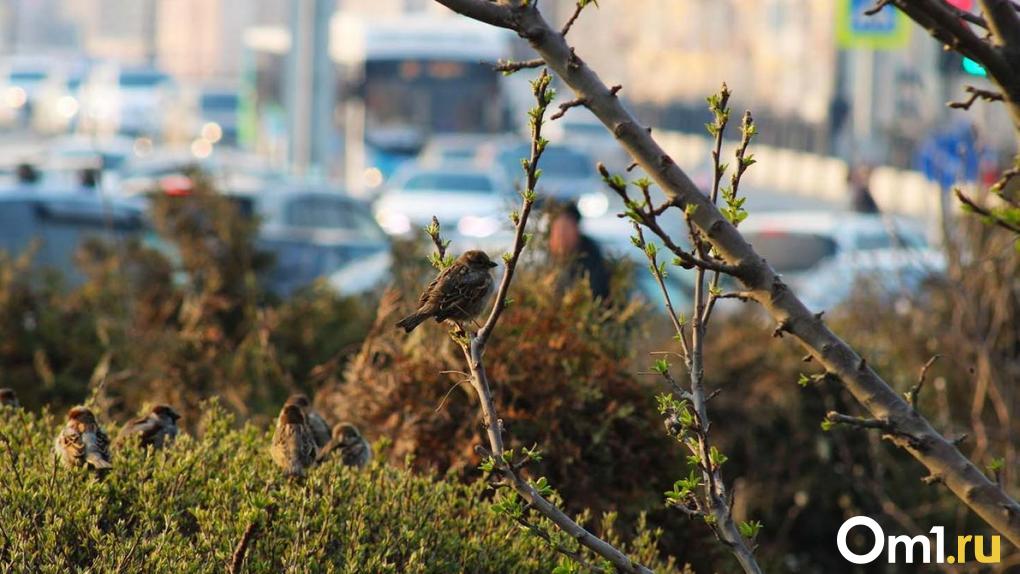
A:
471, 204
822, 254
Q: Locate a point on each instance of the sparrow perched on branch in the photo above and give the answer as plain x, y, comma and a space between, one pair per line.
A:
349, 445
8, 398
82, 441
459, 292
319, 426
293, 447
155, 429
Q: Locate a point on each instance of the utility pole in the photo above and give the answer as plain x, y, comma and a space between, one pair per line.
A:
310, 87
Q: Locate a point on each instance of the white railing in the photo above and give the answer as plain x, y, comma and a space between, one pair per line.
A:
899, 191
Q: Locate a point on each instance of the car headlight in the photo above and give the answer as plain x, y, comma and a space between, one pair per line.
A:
15, 97
393, 222
473, 226
593, 204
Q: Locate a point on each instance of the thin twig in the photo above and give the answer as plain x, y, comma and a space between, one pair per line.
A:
985, 212
915, 391
975, 94
511, 66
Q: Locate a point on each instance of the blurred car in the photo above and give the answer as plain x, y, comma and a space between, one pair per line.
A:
581, 130
822, 255
131, 101
229, 169
55, 221
471, 202
312, 231
478, 149
21, 80
218, 111
567, 173
317, 232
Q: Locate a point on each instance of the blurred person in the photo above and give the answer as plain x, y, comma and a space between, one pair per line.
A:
26, 174
577, 255
88, 179
858, 181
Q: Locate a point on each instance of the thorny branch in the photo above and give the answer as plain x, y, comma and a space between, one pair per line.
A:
760, 281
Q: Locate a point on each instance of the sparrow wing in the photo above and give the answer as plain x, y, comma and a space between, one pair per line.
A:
431, 291
97, 449
463, 287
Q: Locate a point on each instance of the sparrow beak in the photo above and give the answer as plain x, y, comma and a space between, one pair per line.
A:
493, 264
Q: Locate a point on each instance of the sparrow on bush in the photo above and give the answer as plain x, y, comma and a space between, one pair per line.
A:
458, 293
293, 447
349, 445
319, 426
155, 429
9, 399
82, 441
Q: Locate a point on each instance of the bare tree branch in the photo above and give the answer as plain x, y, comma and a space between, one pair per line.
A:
915, 391
975, 94
511, 66
474, 350
939, 455
985, 212
946, 24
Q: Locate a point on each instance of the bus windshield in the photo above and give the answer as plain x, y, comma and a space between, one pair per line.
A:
433, 96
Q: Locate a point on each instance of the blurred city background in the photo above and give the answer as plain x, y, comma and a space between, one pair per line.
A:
393, 104
259, 172
360, 120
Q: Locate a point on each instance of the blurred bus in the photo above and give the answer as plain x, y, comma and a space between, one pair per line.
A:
398, 81
404, 79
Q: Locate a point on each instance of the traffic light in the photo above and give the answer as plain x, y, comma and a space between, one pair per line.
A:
973, 68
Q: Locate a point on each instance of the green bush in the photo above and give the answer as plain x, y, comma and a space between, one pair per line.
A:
184, 509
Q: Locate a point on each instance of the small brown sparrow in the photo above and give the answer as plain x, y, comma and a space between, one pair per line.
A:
349, 445
8, 398
82, 441
293, 447
319, 426
156, 429
458, 293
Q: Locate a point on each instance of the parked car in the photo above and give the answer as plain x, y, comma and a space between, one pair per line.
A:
471, 202
318, 232
56, 220
312, 231
131, 101
477, 149
822, 255
567, 173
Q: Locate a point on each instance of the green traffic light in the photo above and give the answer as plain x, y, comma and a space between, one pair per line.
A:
973, 68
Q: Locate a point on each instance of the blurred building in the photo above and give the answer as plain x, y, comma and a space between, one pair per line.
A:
33, 26
781, 59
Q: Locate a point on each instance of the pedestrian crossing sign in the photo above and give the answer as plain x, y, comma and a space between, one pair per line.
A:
888, 29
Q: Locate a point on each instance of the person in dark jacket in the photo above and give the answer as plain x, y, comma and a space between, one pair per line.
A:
578, 255
861, 199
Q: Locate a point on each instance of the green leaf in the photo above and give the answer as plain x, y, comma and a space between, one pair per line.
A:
749, 529
661, 366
